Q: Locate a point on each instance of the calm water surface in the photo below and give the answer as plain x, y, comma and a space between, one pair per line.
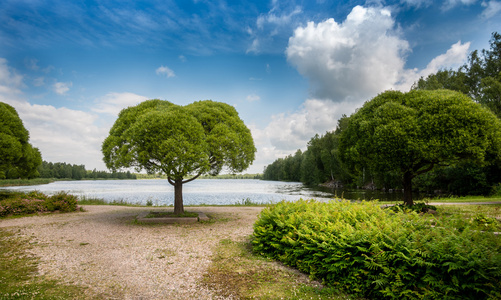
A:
204, 191
200, 191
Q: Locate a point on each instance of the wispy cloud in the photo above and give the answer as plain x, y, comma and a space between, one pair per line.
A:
492, 8
253, 98
165, 71
61, 88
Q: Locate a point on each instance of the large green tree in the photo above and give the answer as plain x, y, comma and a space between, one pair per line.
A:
183, 142
18, 158
412, 133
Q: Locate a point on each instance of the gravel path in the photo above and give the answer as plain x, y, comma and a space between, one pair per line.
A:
103, 249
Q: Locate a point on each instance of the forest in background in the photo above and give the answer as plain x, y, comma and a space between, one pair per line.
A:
479, 78
61, 170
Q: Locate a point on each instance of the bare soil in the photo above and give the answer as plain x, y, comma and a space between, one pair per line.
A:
107, 251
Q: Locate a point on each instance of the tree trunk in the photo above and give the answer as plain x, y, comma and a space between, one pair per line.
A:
407, 182
178, 197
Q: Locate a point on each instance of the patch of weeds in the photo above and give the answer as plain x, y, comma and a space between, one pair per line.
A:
238, 273
18, 274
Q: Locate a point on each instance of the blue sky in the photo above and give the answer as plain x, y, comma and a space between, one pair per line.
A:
291, 68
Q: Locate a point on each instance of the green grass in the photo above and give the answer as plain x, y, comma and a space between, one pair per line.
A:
452, 200
19, 278
235, 271
23, 182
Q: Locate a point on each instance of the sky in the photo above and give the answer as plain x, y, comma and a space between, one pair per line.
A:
290, 68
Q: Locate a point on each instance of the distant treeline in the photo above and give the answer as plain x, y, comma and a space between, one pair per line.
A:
222, 176
77, 172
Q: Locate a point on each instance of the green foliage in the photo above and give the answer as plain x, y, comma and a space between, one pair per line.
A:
180, 141
412, 133
18, 158
379, 254
420, 207
18, 203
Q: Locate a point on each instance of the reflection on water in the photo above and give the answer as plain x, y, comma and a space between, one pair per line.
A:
203, 191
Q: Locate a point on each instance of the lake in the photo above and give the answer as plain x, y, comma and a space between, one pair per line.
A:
201, 191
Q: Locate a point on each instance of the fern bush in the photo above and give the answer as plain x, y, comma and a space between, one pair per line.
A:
379, 254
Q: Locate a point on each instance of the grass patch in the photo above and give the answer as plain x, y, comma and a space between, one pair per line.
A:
98, 201
25, 182
18, 274
238, 273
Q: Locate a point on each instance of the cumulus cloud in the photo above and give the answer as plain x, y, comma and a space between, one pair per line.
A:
291, 131
61, 87
354, 59
64, 135
165, 71
113, 103
360, 57
454, 57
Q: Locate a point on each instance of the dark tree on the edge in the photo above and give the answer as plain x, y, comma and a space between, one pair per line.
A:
412, 133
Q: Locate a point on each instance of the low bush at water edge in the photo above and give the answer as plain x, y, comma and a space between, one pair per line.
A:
19, 203
375, 253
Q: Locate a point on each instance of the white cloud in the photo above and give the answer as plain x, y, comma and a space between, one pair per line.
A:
354, 59
166, 71
417, 3
291, 131
61, 87
449, 4
279, 20
492, 8
253, 98
360, 57
113, 103
274, 26
61, 134
10, 81
454, 57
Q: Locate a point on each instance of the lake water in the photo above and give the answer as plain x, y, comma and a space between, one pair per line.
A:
200, 191
203, 191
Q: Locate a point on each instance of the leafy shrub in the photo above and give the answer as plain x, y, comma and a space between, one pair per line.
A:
62, 201
419, 207
375, 253
18, 203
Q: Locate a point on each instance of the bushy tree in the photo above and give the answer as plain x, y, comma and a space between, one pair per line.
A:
18, 158
182, 142
412, 133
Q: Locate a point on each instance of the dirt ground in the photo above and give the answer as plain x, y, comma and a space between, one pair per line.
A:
107, 251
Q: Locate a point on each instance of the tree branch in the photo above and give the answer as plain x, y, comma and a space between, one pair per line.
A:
191, 179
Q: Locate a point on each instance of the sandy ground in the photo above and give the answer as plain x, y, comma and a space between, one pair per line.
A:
105, 250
